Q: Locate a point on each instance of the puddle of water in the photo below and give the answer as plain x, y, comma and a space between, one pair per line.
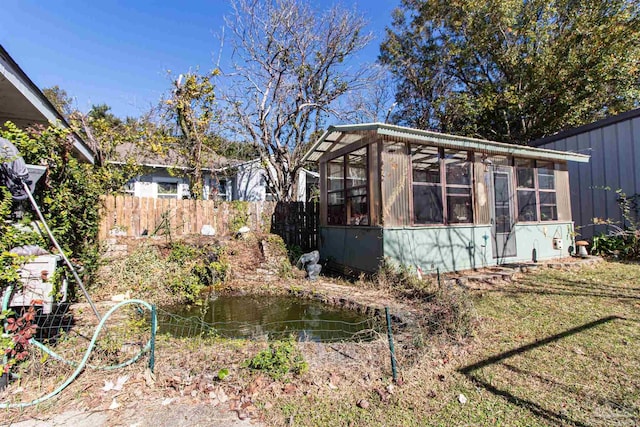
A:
270, 317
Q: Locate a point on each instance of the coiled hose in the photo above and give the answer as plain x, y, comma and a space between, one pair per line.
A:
83, 363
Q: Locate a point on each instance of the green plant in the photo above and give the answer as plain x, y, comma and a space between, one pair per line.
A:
239, 215
19, 330
622, 243
280, 359
69, 193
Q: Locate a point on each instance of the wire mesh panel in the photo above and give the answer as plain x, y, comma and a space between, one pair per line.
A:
314, 330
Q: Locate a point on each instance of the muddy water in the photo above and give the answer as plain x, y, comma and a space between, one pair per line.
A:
267, 317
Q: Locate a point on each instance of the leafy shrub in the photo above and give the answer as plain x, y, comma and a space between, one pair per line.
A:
69, 193
20, 329
622, 243
239, 215
178, 277
280, 359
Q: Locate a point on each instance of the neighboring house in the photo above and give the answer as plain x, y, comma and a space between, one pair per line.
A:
163, 176
22, 103
247, 181
236, 181
429, 200
614, 146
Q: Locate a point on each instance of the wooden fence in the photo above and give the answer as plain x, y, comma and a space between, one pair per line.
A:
128, 216
297, 223
138, 216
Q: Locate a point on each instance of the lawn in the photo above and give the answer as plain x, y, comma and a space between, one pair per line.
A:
551, 348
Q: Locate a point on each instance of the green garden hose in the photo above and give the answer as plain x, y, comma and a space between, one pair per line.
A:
83, 363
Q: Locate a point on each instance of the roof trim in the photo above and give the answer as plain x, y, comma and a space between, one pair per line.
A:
81, 147
450, 141
607, 121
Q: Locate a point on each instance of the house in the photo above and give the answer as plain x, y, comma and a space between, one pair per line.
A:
228, 180
247, 181
24, 104
614, 146
429, 200
164, 174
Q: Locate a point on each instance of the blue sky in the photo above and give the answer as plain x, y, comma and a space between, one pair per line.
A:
118, 52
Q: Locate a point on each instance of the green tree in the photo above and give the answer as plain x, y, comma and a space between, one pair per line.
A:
60, 100
288, 76
191, 108
513, 70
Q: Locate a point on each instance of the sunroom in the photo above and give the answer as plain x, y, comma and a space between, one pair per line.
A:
431, 201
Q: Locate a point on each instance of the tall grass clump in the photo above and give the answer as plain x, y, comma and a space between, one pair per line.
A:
447, 310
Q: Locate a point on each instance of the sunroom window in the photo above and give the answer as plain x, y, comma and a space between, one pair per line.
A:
347, 198
536, 190
427, 188
458, 177
438, 196
547, 191
526, 189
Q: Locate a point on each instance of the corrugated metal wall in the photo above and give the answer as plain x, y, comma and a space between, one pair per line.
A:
615, 163
395, 191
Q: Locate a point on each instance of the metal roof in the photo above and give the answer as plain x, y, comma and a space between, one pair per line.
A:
607, 121
337, 137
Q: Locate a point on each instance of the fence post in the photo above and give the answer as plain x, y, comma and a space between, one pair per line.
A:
391, 348
152, 350
438, 272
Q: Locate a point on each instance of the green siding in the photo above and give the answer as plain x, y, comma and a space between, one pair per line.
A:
453, 248
448, 248
359, 248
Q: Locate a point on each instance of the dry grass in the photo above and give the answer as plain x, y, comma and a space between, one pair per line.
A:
555, 347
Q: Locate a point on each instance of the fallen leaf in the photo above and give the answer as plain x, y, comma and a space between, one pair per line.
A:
363, 403
120, 382
114, 404
290, 388
222, 396
108, 385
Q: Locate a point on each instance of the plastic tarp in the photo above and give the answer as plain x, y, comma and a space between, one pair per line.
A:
13, 170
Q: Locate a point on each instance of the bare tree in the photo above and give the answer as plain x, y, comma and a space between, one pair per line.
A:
289, 69
375, 101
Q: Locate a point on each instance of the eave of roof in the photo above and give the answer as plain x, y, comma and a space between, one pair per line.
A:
334, 134
607, 121
79, 145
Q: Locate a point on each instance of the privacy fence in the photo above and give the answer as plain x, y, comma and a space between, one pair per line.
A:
139, 216
128, 216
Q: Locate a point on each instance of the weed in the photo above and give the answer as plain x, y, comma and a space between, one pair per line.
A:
240, 215
281, 358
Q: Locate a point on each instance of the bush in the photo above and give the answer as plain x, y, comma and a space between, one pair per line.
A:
178, 277
280, 359
621, 243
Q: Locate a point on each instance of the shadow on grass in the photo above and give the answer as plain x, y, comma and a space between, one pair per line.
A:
555, 417
569, 288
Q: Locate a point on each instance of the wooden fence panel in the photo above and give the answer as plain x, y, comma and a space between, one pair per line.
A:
136, 216
297, 223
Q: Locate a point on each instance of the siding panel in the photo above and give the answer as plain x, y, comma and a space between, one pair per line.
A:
395, 189
563, 196
483, 205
